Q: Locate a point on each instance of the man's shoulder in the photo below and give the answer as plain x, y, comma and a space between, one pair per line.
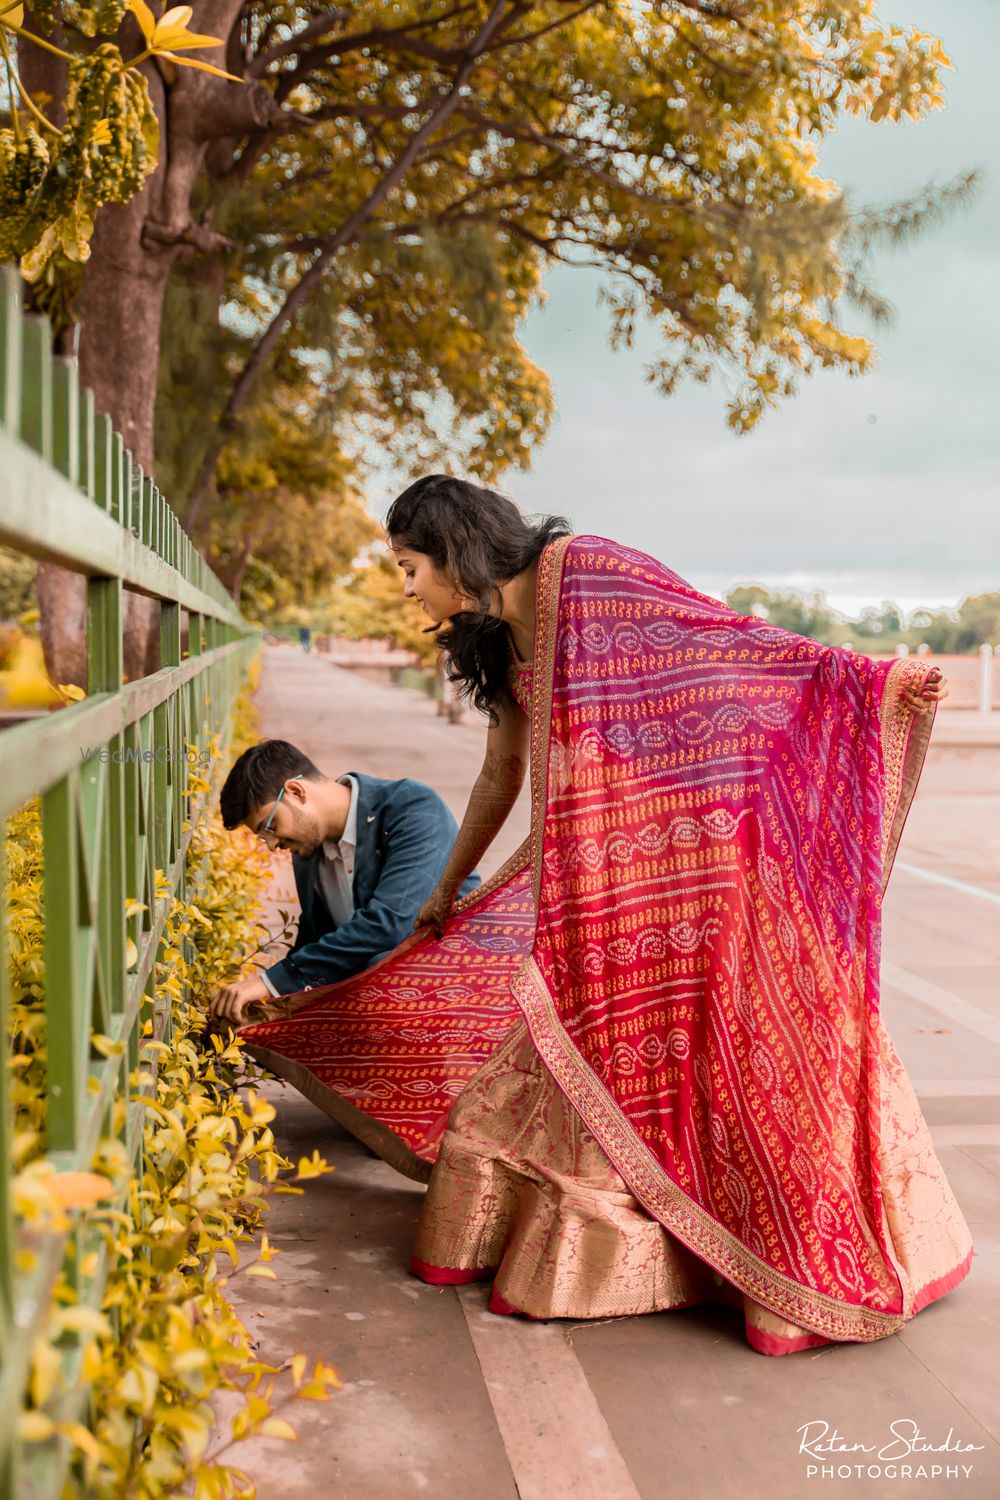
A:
399, 794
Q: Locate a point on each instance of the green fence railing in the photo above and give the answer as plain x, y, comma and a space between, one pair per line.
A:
111, 774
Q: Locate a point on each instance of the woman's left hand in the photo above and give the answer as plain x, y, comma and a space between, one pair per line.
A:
922, 700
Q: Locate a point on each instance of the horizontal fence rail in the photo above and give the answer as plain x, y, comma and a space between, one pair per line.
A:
111, 773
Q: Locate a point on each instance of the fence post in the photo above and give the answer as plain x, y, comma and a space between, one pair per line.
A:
985, 678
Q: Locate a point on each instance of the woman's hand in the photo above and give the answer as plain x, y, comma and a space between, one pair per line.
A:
935, 689
434, 912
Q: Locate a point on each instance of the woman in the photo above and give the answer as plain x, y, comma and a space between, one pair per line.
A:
697, 1100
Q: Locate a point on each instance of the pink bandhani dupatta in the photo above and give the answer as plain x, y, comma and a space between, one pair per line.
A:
716, 804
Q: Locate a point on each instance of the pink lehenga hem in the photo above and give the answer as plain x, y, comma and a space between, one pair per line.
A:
449, 1275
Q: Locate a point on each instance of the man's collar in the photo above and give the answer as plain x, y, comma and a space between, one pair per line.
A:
350, 833
349, 838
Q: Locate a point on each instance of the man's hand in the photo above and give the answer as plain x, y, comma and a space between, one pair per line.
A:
231, 1002
935, 688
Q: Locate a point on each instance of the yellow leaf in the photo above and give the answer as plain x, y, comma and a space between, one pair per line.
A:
298, 1369
204, 67
15, 17
194, 1430
80, 1320
311, 1166
83, 1438
35, 1426
69, 690
131, 954
106, 1046
177, 16
314, 1390
145, 17
263, 1271
138, 1386
46, 1362
179, 37
277, 1427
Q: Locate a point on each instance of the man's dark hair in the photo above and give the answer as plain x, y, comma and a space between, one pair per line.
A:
258, 776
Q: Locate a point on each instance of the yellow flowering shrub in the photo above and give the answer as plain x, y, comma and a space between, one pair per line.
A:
164, 1337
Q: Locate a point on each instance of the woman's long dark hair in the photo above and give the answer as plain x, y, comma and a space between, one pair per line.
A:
479, 540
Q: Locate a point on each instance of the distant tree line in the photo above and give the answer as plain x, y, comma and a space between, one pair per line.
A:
975, 621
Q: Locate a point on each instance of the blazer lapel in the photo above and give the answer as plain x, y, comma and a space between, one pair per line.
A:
366, 850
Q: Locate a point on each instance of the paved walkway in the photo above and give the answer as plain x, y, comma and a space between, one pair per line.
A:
443, 1400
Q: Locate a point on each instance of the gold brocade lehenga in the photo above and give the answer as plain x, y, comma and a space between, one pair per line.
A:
524, 1195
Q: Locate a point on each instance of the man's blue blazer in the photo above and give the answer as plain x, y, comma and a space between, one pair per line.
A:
405, 835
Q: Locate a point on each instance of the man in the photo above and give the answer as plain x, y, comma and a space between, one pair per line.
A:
366, 855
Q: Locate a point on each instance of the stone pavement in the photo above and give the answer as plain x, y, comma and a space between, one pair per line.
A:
443, 1400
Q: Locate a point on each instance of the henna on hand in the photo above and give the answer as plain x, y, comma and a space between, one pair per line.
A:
494, 794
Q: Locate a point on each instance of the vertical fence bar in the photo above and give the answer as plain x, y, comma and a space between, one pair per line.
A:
85, 411
103, 462
36, 387
148, 509
66, 419
104, 675
138, 502
10, 349
117, 475
61, 889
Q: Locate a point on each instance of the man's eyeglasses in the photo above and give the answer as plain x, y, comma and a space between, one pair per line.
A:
264, 832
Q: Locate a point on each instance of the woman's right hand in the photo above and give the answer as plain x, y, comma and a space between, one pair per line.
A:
434, 912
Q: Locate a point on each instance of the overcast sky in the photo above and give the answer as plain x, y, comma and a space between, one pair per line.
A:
881, 487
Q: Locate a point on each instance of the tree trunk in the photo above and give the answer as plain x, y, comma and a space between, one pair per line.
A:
240, 571
121, 305
124, 285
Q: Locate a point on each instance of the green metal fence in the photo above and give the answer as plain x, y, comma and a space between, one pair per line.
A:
111, 774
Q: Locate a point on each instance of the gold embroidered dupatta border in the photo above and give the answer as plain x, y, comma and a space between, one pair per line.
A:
905, 737
647, 1179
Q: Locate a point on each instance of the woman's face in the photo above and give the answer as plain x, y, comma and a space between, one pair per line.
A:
432, 589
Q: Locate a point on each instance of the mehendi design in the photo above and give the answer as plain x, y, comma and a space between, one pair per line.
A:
496, 790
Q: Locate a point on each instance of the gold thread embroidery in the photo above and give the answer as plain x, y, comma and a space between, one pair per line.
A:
662, 1198
901, 736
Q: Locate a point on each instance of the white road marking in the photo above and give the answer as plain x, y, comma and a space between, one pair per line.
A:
944, 1002
949, 880
554, 1433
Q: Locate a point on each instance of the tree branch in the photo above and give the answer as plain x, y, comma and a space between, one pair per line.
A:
447, 105
196, 236
351, 42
